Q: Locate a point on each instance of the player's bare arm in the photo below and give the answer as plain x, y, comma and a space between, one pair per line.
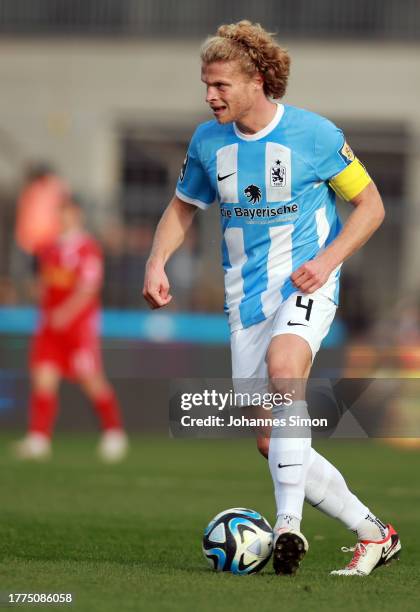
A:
363, 222
170, 234
63, 315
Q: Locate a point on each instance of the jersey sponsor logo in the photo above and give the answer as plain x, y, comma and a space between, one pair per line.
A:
58, 277
285, 211
222, 178
183, 169
253, 193
347, 153
278, 174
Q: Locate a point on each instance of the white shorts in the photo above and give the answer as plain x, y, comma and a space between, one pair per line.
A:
306, 315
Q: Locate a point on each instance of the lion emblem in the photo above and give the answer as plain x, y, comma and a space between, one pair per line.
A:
253, 193
278, 174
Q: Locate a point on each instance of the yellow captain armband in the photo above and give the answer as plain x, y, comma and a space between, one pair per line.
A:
351, 181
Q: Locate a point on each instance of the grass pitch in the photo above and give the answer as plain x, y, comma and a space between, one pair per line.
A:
128, 537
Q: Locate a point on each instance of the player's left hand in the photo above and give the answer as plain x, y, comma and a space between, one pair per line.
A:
311, 275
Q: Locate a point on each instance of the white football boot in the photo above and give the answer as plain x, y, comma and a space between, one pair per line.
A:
369, 555
290, 546
113, 446
34, 447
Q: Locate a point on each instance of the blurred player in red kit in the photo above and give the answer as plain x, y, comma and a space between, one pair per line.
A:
66, 342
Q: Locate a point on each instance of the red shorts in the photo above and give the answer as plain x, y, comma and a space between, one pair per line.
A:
75, 353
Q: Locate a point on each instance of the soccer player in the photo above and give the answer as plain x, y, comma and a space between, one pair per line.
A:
273, 169
66, 342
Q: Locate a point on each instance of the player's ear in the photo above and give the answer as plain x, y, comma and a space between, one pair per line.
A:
258, 80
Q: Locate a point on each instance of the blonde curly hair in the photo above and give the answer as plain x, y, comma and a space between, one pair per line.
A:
254, 49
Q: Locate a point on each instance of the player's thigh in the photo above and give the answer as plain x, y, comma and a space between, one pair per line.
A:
289, 360
47, 349
84, 359
301, 324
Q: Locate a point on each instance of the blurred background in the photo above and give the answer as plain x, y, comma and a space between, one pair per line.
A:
107, 93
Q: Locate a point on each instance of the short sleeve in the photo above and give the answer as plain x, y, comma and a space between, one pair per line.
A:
332, 153
193, 184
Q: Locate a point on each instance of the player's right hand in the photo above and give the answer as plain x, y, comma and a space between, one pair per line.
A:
156, 286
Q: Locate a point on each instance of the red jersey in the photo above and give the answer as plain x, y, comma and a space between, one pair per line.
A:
72, 262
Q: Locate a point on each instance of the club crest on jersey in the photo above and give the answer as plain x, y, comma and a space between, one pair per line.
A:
253, 193
278, 174
184, 167
346, 153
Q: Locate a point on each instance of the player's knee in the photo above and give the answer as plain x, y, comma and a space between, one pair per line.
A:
280, 370
282, 376
45, 380
95, 386
263, 445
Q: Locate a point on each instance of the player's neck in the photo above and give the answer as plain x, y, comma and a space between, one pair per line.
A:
71, 232
261, 115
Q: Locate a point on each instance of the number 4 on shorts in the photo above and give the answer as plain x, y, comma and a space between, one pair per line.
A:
307, 307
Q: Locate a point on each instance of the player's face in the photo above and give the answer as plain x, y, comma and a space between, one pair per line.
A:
231, 94
69, 216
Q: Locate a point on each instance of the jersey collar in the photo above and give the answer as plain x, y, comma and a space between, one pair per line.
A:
268, 128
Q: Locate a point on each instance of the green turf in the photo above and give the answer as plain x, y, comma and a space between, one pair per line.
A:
129, 537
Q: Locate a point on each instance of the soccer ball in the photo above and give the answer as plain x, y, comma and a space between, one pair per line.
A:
238, 540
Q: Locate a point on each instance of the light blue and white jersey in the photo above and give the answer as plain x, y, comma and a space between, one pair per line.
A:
277, 209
